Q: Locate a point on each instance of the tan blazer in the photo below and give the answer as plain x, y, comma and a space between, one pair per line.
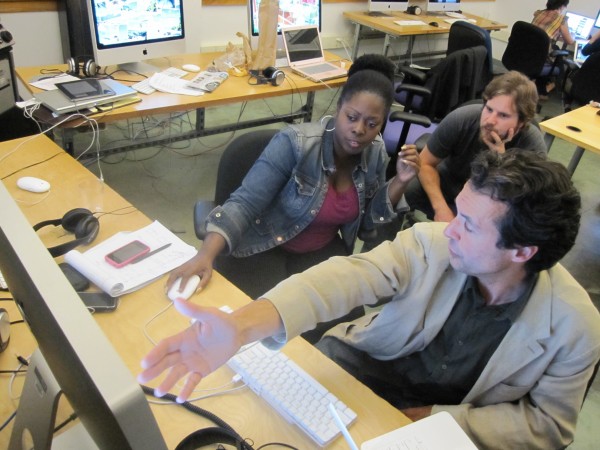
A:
530, 393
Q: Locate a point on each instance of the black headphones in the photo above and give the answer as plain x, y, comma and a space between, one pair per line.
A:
211, 436
270, 75
79, 221
4, 329
82, 66
414, 10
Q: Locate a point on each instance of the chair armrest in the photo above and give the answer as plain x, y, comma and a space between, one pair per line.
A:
202, 209
411, 118
412, 75
415, 89
558, 52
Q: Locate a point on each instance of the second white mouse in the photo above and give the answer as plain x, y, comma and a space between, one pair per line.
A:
189, 290
191, 67
33, 184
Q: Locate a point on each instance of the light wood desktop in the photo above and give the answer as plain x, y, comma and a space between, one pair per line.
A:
383, 24
233, 90
580, 127
249, 415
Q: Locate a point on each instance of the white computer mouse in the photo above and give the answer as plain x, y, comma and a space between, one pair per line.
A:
189, 290
191, 67
33, 184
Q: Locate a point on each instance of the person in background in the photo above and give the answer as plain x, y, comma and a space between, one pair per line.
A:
310, 192
478, 320
593, 45
501, 123
554, 22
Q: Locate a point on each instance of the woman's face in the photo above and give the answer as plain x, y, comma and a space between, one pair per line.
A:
357, 122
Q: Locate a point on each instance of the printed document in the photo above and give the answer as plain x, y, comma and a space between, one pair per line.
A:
119, 281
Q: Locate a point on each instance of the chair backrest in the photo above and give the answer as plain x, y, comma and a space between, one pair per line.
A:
237, 159
465, 34
527, 49
455, 80
584, 83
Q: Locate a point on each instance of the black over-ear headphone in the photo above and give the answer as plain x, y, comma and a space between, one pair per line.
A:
82, 66
79, 221
414, 10
270, 75
211, 436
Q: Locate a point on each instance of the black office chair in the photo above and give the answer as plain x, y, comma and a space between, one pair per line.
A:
236, 161
582, 83
452, 82
527, 52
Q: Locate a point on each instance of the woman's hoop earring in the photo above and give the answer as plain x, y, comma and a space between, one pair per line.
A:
327, 117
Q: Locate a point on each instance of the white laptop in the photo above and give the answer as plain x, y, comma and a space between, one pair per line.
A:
305, 54
59, 103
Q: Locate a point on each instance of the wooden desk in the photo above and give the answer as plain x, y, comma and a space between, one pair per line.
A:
234, 90
243, 410
584, 119
386, 25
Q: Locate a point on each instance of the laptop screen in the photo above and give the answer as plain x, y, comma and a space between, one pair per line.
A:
579, 57
579, 26
303, 44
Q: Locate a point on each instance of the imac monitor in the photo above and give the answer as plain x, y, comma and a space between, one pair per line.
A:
74, 355
130, 31
579, 26
443, 6
388, 5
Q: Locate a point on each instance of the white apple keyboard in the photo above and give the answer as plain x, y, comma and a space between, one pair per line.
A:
292, 392
187, 292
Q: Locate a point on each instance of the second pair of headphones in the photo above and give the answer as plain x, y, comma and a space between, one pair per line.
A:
414, 10
270, 75
79, 221
82, 66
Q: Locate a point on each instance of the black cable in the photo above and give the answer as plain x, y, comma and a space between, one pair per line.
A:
14, 371
280, 444
7, 421
14, 322
65, 422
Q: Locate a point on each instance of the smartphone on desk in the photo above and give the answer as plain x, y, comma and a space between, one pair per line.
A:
127, 254
99, 301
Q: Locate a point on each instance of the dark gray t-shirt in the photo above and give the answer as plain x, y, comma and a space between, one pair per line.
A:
456, 141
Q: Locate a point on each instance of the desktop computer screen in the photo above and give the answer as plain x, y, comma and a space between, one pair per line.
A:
74, 354
130, 31
443, 6
579, 26
388, 5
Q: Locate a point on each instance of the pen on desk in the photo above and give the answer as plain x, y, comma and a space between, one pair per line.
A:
150, 253
338, 421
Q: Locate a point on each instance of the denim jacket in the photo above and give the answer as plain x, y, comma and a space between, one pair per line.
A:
285, 189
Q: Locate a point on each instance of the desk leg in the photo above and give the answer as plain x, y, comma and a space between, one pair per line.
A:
386, 44
575, 160
549, 140
200, 119
356, 41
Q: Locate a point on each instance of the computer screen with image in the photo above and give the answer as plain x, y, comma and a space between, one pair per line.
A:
74, 355
131, 31
580, 26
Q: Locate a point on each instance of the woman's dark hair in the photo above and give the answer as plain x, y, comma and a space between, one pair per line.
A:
556, 4
544, 208
370, 73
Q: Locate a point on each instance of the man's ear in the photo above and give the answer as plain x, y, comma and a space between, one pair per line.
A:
524, 254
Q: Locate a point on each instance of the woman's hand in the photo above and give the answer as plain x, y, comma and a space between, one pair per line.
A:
408, 163
201, 265
193, 353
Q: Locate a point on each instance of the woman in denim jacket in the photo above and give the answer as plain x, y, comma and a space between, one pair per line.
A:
312, 189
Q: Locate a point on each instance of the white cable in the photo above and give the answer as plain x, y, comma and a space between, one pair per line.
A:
145, 327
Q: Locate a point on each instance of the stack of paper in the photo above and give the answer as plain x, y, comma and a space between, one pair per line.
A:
118, 281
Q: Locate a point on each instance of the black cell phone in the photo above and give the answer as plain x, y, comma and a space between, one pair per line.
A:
77, 280
99, 301
126, 254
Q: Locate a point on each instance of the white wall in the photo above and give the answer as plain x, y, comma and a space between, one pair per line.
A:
37, 35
